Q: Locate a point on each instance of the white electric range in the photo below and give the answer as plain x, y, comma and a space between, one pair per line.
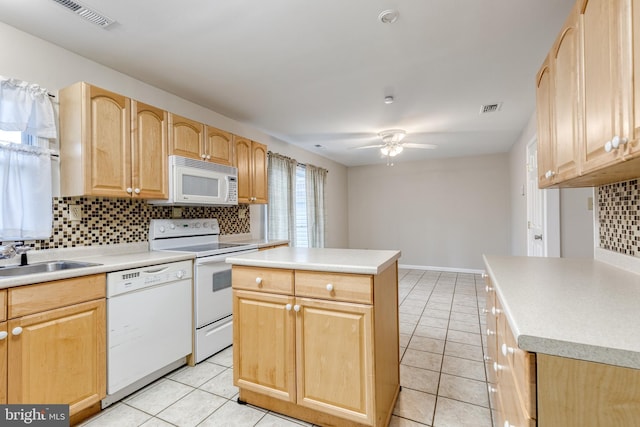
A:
212, 294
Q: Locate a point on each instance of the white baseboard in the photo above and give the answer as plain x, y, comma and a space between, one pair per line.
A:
447, 269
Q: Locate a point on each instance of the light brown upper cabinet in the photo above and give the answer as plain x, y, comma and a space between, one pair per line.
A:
251, 161
218, 146
201, 142
186, 137
595, 102
149, 151
100, 156
544, 116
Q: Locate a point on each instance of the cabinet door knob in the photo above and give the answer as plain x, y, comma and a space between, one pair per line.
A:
496, 367
288, 307
17, 330
129, 190
208, 157
3, 335
490, 332
495, 311
259, 281
329, 287
608, 146
488, 288
296, 308
507, 350
203, 156
137, 191
617, 141
487, 358
485, 275
491, 389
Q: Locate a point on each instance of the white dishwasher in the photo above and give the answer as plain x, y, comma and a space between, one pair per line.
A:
149, 325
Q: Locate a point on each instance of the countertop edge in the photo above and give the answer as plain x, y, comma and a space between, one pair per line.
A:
108, 263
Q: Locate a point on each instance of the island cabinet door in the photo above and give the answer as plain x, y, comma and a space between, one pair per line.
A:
335, 358
264, 347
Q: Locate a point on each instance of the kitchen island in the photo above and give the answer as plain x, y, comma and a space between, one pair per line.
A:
563, 342
316, 333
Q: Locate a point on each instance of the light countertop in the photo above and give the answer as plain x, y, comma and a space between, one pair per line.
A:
357, 261
578, 308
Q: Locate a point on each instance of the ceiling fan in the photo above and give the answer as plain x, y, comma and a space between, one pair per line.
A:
392, 144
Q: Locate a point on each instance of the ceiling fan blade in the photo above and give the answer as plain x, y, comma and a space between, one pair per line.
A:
423, 146
369, 146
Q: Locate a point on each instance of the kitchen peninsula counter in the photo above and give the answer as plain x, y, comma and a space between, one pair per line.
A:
356, 261
316, 333
577, 308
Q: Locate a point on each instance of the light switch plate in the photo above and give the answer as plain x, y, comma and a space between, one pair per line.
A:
75, 213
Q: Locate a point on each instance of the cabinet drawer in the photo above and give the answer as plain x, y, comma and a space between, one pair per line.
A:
335, 286
512, 413
273, 280
523, 366
31, 299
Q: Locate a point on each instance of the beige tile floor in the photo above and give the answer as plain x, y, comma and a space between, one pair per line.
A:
442, 371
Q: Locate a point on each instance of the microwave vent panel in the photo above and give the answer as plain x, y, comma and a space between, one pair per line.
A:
86, 13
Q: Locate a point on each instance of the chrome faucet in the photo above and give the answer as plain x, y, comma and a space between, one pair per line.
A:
16, 248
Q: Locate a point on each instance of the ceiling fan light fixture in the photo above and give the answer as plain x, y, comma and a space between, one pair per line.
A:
385, 150
392, 135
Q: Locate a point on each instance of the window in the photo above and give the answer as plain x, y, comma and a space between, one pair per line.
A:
296, 202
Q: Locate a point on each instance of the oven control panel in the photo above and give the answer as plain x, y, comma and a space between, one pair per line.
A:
162, 228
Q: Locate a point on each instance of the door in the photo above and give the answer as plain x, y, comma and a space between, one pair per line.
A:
545, 162
58, 356
108, 124
606, 37
264, 344
245, 170
259, 174
149, 145
212, 290
543, 211
186, 137
535, 205
219, 146
566, 67
334, 360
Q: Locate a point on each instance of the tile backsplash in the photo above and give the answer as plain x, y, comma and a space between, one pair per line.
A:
107, 221
619, 217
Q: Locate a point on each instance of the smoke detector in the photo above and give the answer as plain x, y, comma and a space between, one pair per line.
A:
85, 12
388, 16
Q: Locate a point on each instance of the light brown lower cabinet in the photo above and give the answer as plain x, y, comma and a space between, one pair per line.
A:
55, 347
325, 359
530, 389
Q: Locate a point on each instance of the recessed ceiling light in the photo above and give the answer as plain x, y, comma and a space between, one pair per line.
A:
388, 16
388, 99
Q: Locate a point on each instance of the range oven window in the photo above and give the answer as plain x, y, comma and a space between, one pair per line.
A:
221, 280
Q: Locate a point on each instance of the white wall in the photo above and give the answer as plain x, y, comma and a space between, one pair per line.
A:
440, 213
577, 223
35, 60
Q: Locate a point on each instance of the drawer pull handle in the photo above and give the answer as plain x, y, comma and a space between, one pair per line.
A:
495, 311
485, 275
259, 281
17, 330
490, 332
491, 389
508, 424
329, 287
288, 307
488, 289
485, 311
487, 358
496, 367
296, 308
3, 335
507, 350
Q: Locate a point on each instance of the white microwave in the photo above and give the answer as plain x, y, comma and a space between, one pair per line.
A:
194, 182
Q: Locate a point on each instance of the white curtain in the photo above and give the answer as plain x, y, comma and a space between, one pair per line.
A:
25, 171
315, 178
281, 210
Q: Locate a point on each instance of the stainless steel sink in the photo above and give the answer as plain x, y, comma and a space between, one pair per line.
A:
42, 267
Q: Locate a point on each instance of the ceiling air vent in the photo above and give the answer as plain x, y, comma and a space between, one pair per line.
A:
490, 108
86, 13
